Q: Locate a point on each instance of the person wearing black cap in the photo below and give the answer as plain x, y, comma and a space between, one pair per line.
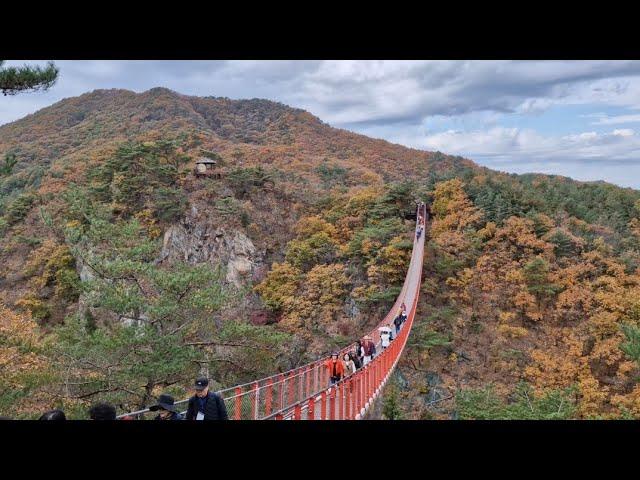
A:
167, 408
206, 405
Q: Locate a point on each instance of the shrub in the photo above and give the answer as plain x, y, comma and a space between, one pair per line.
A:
19, 208
484, 404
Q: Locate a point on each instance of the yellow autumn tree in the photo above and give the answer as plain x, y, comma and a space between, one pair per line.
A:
279, 287
24, 368
319, 301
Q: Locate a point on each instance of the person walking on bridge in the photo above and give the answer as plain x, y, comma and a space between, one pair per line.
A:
336, 369
358, 357
349, 364
206, 405
398, 321
385, 336
369, 350
166, 408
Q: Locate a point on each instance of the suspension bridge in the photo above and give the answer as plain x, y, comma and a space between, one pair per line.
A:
304, 393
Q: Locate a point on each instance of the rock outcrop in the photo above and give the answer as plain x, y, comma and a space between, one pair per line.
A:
198, 239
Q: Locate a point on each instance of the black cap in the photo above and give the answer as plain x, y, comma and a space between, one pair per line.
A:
201, 383
164, 401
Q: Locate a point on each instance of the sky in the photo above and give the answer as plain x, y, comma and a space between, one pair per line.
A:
580, 119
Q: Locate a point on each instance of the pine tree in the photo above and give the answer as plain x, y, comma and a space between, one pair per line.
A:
391, 405
15, 80
10, 161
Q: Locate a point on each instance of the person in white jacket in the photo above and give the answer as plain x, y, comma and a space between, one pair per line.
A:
385, 336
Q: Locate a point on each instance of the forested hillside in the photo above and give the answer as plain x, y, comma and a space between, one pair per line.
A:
125, 274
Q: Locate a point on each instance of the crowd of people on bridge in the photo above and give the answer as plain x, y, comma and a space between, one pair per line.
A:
364, 351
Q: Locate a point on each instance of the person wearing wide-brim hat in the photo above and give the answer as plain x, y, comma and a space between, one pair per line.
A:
166, 408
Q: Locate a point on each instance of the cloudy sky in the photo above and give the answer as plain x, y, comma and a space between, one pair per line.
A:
575, 118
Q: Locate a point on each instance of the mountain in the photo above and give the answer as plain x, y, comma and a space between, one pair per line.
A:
129, 274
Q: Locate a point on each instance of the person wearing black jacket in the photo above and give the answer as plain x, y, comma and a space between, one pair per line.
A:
206, 405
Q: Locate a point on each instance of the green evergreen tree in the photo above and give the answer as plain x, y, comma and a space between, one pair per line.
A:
15, 80
564, 247
484, 404
632, 346
391, 404
10, 161
536, 274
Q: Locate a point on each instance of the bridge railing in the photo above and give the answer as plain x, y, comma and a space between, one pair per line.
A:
280, 395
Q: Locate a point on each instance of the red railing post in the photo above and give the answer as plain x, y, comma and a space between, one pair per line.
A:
372, 380
332, 403
354, 395
281, 392
359, 394
347, 400
291, 394
311, 409
255, 402
278, 416
238, 412
308, 382
268, 399
360, 391
323, 405
297, 412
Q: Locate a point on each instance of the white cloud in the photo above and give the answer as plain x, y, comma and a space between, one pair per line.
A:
624, 132
526, 145
617, 119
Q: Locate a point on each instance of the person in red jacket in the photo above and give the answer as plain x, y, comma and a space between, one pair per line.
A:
336, 369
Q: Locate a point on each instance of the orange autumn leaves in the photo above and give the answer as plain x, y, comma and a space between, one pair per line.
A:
538, 286
22, 363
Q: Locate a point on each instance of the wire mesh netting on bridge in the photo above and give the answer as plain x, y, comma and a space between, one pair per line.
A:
305, 392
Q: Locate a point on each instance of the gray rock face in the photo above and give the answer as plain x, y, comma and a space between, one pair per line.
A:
197, 240
84, 271
351, 308
434, 390
401, 380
